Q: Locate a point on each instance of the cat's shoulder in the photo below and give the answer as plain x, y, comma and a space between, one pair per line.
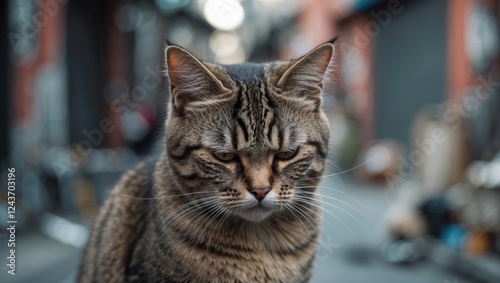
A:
135, 182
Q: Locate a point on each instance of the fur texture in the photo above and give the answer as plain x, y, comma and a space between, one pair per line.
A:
224, 202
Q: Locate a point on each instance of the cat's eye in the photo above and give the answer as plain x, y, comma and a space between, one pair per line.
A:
288, 154
225, 156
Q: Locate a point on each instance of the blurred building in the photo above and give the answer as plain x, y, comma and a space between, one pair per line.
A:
395, 57
87, 96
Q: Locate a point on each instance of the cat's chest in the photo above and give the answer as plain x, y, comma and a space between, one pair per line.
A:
196, 251
290, 263
260, 268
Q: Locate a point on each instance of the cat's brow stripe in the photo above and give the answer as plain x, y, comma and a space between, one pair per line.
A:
243, 128
210, 167
186, 152
270, 128
188, 177
301, 161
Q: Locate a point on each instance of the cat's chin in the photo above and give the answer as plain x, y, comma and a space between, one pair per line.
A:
256, 213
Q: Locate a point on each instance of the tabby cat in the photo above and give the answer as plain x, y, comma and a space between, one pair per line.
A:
230, 198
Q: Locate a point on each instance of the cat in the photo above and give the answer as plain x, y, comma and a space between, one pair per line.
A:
232, 197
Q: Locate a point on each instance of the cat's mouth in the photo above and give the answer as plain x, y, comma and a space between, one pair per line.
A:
256, 213
254, 209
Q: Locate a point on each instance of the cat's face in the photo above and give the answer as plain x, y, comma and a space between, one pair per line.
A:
252, 135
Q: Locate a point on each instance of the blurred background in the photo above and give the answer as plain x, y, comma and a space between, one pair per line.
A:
412, 194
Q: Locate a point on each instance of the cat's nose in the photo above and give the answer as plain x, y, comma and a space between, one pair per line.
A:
260, 193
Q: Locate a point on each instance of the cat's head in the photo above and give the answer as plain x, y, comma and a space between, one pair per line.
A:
252, 135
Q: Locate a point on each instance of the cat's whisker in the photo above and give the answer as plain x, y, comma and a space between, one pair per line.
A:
312, 211
323, 219
338, 207
208, 215
334, 206
295, 216
163, 229
332, 163
186, 208
333, 166
335, 190
318, 215
207, 205
342, 236
225, 215
181, 212
345, 171
307, 216
308, 201
222, 211
162, 232
335, 199
203, 214
197, 217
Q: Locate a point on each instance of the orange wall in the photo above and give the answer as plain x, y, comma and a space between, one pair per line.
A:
460, 71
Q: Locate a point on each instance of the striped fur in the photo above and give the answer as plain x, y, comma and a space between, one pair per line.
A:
192, 215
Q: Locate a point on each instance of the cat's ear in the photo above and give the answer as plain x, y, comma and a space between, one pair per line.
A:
304, 76
190, 79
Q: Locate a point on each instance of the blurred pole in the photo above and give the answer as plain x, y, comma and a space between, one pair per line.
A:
116, 69
317, 24
23, 72
48, 41
4, 87
471, 48
459, 66
51, 36
356, 64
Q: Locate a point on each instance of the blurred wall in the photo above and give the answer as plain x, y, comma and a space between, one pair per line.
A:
409, 66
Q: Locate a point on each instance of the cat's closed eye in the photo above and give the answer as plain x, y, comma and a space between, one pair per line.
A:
282, 155
288, 154
224, 156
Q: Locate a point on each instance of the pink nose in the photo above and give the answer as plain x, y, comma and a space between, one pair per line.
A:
260, 193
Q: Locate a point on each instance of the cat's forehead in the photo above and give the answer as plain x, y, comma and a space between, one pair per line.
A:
255, 123
246, 73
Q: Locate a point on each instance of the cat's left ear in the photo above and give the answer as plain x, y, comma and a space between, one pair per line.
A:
189, 78
304, 76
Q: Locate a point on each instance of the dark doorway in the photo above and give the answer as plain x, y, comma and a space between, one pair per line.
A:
410, 54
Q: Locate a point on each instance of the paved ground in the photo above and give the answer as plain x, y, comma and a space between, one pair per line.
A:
348, 254
353, 234
41, 259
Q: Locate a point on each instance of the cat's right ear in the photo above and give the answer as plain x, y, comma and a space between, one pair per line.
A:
305, 75
190, 79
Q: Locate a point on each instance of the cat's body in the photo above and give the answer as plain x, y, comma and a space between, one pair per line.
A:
232, 198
